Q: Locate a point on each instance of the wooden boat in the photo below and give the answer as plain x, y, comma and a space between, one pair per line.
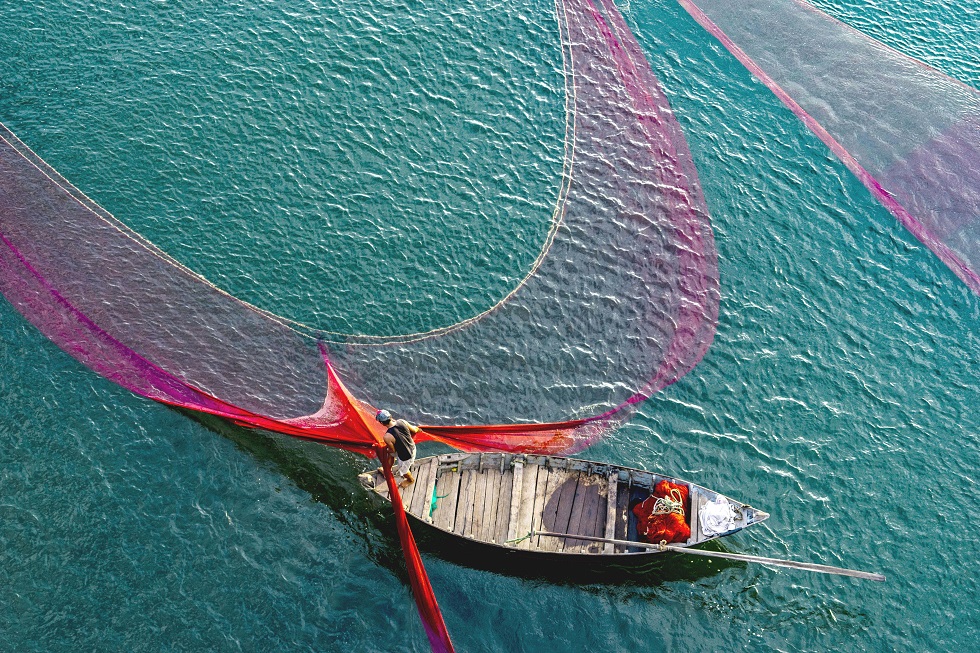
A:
506, 501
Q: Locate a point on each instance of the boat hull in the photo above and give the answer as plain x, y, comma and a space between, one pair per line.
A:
492, 507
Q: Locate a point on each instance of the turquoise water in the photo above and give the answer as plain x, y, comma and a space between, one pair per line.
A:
317, 159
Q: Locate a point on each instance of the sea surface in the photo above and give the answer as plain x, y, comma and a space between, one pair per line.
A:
322, 159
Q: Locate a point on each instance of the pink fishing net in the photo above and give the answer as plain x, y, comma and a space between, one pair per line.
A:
626, 300
622, 302
910, 133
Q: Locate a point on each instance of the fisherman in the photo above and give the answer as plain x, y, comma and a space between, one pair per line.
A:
400, 442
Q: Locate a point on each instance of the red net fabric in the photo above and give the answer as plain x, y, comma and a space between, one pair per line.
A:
425, 598
664, 521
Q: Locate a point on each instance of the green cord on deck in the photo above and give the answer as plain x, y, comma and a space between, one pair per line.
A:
520, 539
432, 504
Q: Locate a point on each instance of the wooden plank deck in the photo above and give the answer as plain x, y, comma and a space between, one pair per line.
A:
406, 493
566, 507
501, 497
583, 517
430, 487
421, 496
609, 528
540, 488
525, 511
622, 515
475, 527
380, 486
464, 504
517, 488
556, 508
502, 509
447, 489
599, 513
488, 521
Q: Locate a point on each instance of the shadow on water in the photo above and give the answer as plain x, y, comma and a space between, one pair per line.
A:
329, 475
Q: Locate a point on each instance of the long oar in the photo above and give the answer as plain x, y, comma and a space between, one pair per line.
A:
809, 566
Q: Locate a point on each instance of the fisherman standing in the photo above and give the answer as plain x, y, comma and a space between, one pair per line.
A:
399, 439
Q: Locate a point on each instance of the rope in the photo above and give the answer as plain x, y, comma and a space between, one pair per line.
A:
520, 539
671, 503
435, 498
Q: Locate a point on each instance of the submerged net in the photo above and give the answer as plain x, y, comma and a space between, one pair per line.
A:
910, 133
622, 301
626, 300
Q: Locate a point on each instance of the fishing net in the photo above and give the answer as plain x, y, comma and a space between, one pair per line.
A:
910, 133
622, 301
661, 516
425, 598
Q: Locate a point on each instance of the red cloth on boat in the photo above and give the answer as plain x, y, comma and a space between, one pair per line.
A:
672, 526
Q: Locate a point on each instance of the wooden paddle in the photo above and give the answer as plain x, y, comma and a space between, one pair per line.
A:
809, 566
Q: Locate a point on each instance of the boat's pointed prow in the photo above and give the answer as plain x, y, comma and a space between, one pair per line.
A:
753, 516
